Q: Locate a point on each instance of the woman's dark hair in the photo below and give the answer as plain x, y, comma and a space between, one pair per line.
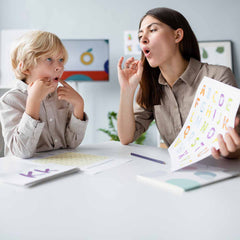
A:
148, 94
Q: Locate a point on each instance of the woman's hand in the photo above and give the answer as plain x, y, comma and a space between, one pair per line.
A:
67, 93
230, 147
129, 76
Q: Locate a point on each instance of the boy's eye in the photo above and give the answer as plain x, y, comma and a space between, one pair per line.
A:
61, 60
49, 59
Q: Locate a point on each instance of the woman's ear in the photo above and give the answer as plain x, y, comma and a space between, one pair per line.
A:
179, 35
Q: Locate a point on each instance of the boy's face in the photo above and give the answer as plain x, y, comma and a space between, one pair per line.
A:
48, 67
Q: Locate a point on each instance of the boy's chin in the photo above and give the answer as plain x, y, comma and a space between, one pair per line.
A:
55, 87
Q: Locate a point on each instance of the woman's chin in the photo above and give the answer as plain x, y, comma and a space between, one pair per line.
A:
152, 64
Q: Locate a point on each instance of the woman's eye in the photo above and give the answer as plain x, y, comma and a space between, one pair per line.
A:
139, 38
153, 30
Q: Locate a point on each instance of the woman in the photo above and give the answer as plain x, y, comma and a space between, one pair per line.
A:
169, 73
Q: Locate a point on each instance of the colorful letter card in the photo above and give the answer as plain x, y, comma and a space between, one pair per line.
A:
213, 110
131, 43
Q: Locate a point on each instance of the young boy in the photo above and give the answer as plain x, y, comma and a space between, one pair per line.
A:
37, 115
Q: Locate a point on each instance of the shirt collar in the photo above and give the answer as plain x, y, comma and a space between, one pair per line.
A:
191, 71
21, 85
188, 75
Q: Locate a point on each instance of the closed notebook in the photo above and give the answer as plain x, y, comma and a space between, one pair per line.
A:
26, 173
188, 178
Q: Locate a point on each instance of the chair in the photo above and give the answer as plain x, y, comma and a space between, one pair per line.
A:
2, 91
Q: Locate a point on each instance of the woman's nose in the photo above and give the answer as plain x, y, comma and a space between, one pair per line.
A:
144, 39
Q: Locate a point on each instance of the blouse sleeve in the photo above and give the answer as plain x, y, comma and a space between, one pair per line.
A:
143, 119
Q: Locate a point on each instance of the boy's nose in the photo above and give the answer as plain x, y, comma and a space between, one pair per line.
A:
58, 68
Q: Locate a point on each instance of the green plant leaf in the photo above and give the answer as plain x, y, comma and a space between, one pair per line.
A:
220, 49
204, 54
141, 139
112, 132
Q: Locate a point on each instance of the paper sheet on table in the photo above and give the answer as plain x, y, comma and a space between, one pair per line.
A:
213, 110
27, 173
88, 163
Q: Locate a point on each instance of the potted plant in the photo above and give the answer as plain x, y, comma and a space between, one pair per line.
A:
112, 132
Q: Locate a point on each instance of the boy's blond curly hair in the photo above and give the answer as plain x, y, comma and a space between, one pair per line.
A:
30, 47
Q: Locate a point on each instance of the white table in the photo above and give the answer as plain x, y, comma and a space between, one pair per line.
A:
115, 205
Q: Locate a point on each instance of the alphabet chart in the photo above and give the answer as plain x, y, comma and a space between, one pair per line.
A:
213, 110
25, 173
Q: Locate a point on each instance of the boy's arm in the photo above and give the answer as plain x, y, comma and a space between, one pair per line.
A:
20, 131
75, 131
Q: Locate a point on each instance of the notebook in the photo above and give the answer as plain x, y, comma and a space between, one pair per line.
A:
188, 178
25, 173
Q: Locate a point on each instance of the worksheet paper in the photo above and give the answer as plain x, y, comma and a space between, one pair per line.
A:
26, 173
213, 110
89, 163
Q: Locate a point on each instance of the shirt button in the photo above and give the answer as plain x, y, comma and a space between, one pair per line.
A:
55, 140
50, 119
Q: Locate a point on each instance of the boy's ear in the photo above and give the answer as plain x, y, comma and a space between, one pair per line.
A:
21, 67
179, 35
26, 72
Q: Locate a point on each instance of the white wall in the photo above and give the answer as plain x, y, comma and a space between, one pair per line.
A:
210, 20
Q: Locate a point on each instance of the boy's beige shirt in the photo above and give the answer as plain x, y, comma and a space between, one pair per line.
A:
175, 102
23, 135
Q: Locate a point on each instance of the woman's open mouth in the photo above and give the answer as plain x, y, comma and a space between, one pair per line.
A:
146, 52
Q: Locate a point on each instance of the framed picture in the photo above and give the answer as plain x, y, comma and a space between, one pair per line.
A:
216, 52
88, 60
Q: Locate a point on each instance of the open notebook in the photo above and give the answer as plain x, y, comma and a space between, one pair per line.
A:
188, 178
26, 173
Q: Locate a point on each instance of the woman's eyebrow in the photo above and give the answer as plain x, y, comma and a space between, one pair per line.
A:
149, 26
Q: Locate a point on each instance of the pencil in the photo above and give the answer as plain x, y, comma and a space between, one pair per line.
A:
147, 158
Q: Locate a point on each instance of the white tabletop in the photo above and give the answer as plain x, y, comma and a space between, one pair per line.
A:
115, 205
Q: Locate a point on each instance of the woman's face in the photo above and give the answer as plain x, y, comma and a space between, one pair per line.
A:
157, 41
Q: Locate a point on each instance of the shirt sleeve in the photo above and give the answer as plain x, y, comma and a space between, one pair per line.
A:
76, 130
20, 132
143, 118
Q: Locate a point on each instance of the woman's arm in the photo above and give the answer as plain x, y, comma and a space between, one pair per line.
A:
129, 78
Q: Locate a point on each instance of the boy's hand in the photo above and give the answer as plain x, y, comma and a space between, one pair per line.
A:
39, 89
67, 93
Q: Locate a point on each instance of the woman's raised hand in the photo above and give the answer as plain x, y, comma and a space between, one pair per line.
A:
129, 76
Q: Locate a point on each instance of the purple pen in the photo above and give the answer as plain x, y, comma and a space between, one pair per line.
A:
148, 158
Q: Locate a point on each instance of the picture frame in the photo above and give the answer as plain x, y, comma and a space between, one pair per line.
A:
216, 52
88, 60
